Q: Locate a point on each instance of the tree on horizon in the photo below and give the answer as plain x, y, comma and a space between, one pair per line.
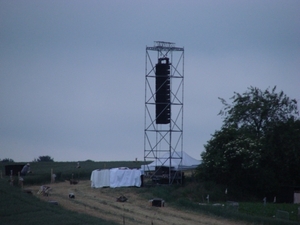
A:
45, 158
258, 145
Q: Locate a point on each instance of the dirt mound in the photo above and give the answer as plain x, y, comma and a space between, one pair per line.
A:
135, 210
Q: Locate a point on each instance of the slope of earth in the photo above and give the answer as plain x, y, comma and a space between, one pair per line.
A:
135, 211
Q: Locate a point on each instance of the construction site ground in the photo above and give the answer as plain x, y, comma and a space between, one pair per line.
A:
102, 203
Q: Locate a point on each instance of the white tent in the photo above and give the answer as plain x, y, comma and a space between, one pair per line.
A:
187, 162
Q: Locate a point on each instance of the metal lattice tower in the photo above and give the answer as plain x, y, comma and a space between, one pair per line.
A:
163, 137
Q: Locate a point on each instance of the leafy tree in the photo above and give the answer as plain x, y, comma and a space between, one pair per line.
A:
44, 159
258, 146
282, 152
256, 109
7, 160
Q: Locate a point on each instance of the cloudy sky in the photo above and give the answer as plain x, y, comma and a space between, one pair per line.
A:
72, 73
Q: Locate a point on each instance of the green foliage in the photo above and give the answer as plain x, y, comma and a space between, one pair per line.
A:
282, 145
258, 109
45, 158
7, 160
258, 146
268, 210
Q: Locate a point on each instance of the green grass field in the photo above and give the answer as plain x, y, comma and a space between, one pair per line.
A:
250, 212
17, 206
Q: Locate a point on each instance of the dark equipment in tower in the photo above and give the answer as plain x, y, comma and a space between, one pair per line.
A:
162, 84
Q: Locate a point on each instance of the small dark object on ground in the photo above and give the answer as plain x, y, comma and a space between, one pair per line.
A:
73, 181
71, 195
53, 202
28, 191
122, 198
158, 202
45, 190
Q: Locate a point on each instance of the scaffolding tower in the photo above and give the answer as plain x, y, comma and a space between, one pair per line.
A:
163, 128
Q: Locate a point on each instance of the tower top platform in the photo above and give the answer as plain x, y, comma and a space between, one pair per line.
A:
164, 46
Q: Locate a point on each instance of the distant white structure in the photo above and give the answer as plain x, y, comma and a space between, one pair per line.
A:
184, 162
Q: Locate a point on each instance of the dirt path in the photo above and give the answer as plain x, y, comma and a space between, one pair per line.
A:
135, 211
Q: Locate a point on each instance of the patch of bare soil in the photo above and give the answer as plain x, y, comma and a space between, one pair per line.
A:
135, 211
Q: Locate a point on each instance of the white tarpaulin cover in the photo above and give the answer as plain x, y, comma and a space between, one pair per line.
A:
297, 199
187, 162
100, 178
116, 177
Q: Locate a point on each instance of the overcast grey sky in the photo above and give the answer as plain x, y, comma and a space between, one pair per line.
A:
72, 73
